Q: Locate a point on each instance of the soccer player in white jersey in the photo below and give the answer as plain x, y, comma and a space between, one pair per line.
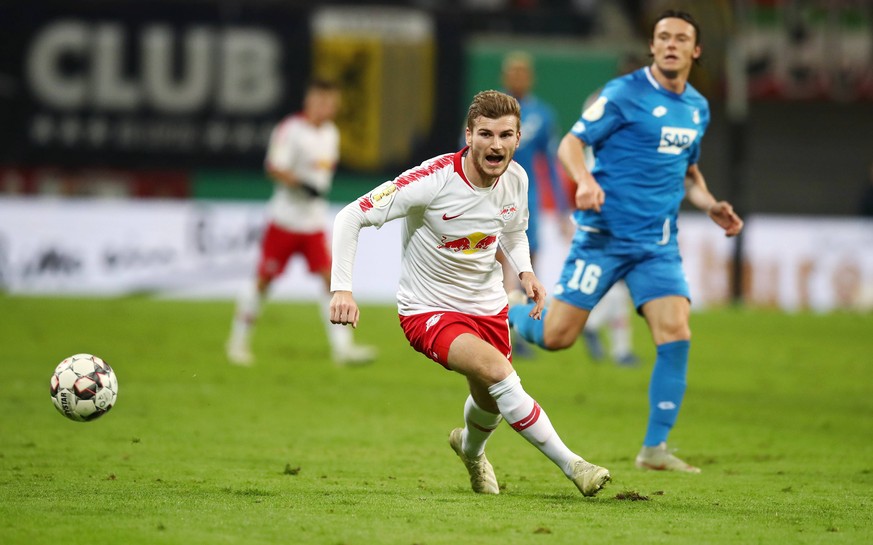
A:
301, 159
646, 129
452, 305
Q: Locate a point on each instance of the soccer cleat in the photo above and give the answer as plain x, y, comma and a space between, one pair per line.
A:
593, 344
482, 477
238, 353
589, 478
354, 355
659, 458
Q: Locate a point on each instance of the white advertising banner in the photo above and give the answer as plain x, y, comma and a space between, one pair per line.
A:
197, 249
172, 248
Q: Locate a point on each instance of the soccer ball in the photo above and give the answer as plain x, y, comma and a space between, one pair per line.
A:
83, 387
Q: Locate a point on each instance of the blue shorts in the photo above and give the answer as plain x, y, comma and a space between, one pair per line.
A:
597, 261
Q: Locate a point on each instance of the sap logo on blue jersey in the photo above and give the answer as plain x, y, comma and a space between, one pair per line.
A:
676, 139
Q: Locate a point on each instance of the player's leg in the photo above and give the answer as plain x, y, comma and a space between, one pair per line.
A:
617, 309
597, 319
520, 347
667, 315
588, 273
486, 368
343, 348
275, 252
558, 328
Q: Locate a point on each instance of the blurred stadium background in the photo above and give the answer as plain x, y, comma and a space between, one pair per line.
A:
132, 133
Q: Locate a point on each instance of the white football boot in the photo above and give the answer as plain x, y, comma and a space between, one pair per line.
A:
660, 458
589, 478
482, 477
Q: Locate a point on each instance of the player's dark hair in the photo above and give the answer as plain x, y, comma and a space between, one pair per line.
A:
493, 105
685, 16
679, 14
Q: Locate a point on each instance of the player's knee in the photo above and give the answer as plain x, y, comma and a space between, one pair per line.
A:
672, 330
559, 339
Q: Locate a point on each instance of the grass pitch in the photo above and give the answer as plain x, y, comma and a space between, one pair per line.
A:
779, 414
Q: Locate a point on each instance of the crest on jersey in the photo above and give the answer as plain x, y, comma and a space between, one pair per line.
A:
432, 321
383, 195
508, 211
659, 111
596, 110
696, 117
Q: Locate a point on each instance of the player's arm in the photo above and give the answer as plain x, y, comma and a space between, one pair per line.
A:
571, 153
289, 179
516, 248
721, 212
346, 229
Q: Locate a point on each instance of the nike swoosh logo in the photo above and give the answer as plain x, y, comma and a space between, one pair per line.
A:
447, 217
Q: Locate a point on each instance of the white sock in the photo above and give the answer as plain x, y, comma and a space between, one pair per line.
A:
620, 338
527, 418
479, 424
248, 308
340, 337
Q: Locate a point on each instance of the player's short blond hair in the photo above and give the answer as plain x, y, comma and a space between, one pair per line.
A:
493, 105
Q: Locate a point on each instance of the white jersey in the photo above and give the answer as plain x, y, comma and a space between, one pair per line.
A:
310, 153
450, 236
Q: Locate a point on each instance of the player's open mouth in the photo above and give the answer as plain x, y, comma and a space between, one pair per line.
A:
494, 159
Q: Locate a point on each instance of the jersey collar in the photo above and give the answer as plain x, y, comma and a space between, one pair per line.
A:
459, 170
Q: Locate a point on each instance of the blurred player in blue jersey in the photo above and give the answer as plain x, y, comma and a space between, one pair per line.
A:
539, 141
645, 129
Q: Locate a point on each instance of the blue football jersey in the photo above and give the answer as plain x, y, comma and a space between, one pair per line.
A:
644, 138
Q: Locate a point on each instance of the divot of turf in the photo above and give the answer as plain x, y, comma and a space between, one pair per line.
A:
631, 495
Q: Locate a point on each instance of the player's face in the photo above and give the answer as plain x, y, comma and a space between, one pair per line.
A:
492, 144
518, 79
321, 105
673, 47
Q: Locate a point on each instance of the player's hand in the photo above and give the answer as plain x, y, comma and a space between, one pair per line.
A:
589, 194
343, 309
535, 291
723, 214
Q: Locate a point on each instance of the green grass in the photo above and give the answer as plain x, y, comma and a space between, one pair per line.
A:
779, 413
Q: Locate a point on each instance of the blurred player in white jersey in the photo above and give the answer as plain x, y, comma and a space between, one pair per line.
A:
302, 157
452, 305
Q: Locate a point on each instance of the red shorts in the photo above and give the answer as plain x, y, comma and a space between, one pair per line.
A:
432, 333
279, 245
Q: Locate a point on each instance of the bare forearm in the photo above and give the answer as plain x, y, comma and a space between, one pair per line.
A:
696, 190
571, 154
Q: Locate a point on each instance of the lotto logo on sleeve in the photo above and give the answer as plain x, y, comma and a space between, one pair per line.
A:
676, 139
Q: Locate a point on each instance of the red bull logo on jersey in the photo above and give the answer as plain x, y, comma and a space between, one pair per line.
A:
469, 244
676, 139
508, 211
